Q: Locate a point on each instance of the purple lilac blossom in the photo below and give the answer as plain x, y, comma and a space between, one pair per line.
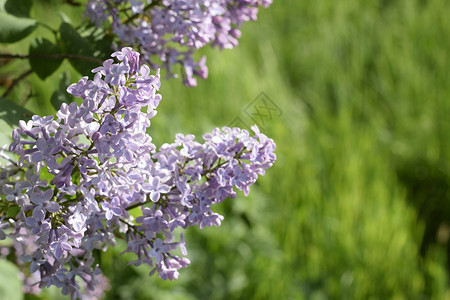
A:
168, 33
79, 175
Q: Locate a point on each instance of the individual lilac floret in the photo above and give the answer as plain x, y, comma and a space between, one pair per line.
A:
79, 175
36, 222
168, 33
61, 246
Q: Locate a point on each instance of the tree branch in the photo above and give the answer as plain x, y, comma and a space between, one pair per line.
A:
16, 81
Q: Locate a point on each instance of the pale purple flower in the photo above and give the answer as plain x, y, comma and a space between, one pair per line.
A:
112, 208
43, 201
85, 170
171, 32
155, 188
36, 221
158, 250
61, 246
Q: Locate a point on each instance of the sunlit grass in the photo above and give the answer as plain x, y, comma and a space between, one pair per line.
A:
363, 91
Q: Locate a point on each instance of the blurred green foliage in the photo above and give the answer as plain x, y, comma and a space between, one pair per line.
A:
357, 204
356, 207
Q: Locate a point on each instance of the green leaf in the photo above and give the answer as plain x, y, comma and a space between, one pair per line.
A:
64, 81
61, 95
10, 115
18, 8
41, 48
13, 211
13, 29
73, 43
65, 18
102, 45
58, 98
10, 284
135, 212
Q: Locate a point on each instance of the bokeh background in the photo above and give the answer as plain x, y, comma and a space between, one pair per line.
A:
356, 94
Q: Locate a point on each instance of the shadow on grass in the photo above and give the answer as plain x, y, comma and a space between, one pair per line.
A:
428, 188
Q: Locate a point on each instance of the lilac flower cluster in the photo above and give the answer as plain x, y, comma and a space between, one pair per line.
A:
169, 32
92, 174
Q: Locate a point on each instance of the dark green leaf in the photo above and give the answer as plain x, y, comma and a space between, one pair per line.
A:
64, 81
65, 18
10, 284
82, 51
13, 211
13, 29
41, 49
59, 98
61, 95
10, 115
102, 45
18, 8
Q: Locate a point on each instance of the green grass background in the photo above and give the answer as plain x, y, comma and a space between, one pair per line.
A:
356, 206
357, 203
